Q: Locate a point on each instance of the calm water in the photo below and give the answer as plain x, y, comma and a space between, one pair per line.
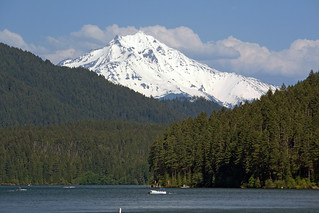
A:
136, 199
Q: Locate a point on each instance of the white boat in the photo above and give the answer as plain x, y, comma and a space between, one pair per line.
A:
21, 190
158, 192
69, 187
185, 187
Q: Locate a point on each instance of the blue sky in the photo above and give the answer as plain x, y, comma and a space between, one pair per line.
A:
276, 41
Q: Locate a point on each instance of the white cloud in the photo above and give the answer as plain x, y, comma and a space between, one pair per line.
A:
16, 40
184, 39
114, 30
60, 55
298, 60
13, 39
179, 38
87, 38
93, 35
230, 54
90, 32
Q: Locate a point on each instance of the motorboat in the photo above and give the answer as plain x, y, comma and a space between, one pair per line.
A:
21, 189
185, 187
69, 187
158, 192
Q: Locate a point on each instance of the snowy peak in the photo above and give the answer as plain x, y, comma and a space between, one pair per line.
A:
148, 66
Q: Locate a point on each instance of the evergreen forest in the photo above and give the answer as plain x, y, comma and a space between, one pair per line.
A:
80, 152
71, 126
272, 143
36, 92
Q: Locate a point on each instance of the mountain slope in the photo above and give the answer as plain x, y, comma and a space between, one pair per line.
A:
271, 143
148, 66
33, 91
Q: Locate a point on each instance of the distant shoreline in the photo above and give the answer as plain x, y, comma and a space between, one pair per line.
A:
242, 187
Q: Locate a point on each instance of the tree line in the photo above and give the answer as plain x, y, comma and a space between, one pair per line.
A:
272, 142
82, 152
71, 126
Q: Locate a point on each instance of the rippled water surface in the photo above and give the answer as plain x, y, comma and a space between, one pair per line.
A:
137, 199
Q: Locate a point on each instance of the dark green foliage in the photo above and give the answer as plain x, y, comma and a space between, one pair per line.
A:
192, 109
272, 142
85, 152
36, 146
33, 91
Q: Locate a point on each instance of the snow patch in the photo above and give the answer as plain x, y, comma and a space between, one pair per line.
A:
148, 66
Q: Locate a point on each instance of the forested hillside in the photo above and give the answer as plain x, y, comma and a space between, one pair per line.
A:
33, 91
61, 126
272, 142
84, 152
192, 109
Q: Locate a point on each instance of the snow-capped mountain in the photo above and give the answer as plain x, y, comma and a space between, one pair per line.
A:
148, 66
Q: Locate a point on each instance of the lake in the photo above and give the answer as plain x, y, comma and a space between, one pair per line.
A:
137, 199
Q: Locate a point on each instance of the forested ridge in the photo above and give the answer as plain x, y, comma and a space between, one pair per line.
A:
82, 152
70, 126
33, 91
272, 142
